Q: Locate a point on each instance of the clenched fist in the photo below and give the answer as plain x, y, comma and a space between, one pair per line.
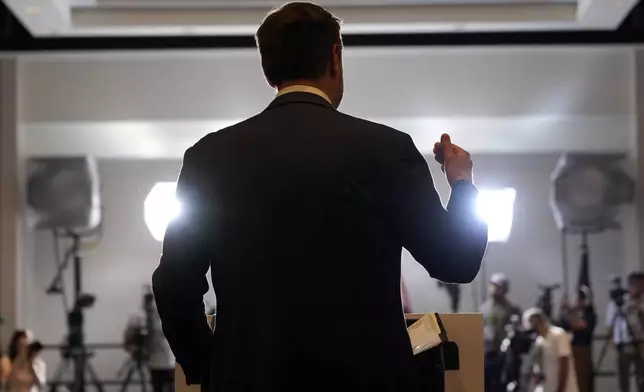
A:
455, 162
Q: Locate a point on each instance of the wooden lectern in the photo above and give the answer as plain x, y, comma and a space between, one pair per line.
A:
464, 331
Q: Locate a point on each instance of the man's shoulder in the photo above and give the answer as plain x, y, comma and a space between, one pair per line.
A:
216, 136
368, 131
371, 126
559, 334
557, 331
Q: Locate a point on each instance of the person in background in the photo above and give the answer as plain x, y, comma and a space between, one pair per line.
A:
555, 368
497, 313
28, 370
580, 319
629, 347
40, 367
5, 369
161, 360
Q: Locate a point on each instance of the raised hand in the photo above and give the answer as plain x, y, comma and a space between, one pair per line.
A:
455, 162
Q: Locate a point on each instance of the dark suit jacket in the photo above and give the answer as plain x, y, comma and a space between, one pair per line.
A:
301, 213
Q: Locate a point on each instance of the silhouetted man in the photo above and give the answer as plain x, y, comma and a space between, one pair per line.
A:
300, 213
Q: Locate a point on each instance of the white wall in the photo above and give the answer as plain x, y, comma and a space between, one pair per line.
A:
502, 100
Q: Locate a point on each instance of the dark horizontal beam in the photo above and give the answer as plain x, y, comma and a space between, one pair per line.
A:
14, 37
361, 40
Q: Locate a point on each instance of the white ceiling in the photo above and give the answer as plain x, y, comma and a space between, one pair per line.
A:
493, 100
207, 17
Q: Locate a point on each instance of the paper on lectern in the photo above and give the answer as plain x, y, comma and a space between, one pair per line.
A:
424, 333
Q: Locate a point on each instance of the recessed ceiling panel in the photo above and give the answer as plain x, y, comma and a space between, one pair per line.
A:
273, 3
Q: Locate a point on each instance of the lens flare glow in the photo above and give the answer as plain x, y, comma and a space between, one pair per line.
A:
160, 208
496, 208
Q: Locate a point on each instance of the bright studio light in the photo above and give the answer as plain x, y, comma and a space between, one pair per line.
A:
160, 208
496, 208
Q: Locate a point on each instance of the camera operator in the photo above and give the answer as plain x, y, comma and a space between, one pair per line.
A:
497, 314
627, 328
554, 368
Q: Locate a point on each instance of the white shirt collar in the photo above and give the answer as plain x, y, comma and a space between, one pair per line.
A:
300, 88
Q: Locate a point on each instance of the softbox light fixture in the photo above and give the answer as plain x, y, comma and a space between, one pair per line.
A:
63, 193
588, 191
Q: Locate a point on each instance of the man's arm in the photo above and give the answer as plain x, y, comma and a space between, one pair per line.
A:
179, 283
562, 379
450, 243
565, 352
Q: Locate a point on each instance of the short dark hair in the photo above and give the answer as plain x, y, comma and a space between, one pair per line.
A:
635, 276
13, 345
296, 42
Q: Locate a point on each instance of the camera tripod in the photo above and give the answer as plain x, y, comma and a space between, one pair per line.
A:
634, 344
138, 360
78, 359
74, 353
134, 364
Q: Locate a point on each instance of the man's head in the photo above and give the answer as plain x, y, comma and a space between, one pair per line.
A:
636, 284
536, 320
300, 43
499, 286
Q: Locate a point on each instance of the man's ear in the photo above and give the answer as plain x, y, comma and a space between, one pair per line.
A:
336, 60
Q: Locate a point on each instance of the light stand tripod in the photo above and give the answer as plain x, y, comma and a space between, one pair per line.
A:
74, 353
585, 312
454, 293
618, 302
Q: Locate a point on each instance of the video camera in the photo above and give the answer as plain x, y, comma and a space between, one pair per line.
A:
136, 333
514, 348
617, 291
517, 339
544, 301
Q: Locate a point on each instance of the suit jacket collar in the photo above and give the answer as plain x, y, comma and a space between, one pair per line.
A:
299, 97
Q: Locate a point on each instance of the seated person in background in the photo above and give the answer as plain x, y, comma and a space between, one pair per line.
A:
554, 370
28, 370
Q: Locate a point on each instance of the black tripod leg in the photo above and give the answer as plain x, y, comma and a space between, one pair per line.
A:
144, 381
128, 376
94, 377
58, 375
602, 354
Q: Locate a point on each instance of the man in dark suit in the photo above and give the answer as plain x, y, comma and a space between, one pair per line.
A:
300, 213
